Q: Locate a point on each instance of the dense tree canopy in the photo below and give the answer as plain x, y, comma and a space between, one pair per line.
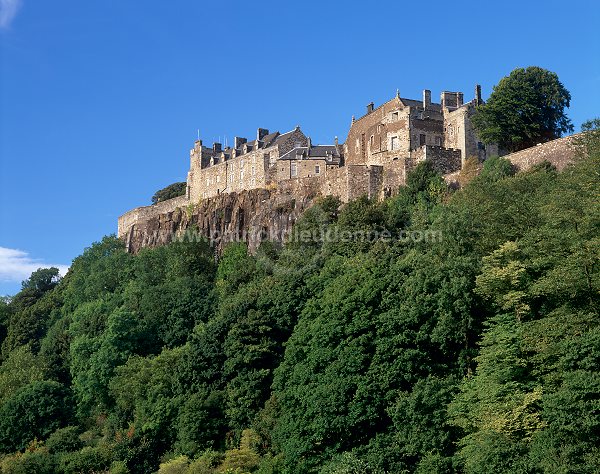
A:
388, 351
525, 108
171, 191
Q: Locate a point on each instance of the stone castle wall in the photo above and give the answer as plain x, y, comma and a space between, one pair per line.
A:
559, 152
141, 214
444, 160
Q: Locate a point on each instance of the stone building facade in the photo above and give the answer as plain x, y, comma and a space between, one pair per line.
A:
383, 144
403, 132
260, 163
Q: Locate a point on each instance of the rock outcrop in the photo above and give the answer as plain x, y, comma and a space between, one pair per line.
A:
249, 216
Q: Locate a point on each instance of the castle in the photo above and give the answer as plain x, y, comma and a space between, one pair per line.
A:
381, 148
259, 188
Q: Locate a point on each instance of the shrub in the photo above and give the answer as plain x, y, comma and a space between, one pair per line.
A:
38, 461
64, 440
35, 411
88, 460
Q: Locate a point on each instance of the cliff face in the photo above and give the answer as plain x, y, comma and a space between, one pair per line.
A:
249, 216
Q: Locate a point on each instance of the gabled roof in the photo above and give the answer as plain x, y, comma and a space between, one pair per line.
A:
405, 103
295, 153
323, 151
284, 136
268, 139
317, 152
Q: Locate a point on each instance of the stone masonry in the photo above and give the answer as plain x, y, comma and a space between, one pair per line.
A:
248, 182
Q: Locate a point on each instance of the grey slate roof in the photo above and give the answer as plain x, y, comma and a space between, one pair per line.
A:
268, 139
317, 152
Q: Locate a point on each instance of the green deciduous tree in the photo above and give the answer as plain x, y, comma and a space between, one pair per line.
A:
35, 411
171, 191
42, 280
525, 108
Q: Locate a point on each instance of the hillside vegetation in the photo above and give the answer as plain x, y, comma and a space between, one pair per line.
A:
474, 351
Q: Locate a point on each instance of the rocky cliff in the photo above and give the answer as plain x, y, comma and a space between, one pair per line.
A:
249, 216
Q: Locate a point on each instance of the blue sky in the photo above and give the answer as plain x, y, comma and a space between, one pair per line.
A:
100, 100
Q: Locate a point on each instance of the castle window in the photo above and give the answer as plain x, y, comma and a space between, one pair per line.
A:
438, 141
218, 178
395, 116
293, 169
253, 171
395, 143
379, 128
317, 169
422, 139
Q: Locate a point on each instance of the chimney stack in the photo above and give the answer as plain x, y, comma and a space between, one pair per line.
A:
216, 147
261, 133
478, 94
426, 98
238, 142
370, 107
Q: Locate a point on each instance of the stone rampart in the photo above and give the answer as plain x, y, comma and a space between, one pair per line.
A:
559, 152
141, 214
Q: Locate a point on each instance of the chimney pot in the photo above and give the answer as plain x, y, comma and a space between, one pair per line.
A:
370, 107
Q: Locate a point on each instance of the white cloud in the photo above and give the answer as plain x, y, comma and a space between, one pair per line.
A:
8, 11
16, 265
